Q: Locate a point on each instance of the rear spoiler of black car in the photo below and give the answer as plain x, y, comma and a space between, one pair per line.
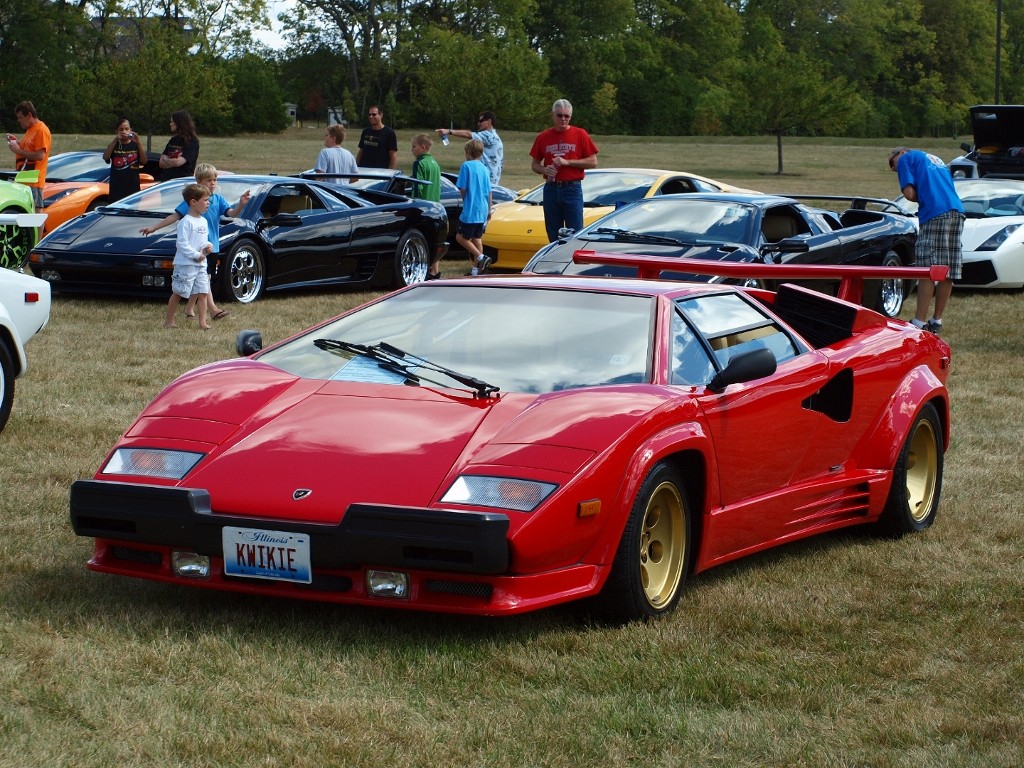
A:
856, 203
851, 279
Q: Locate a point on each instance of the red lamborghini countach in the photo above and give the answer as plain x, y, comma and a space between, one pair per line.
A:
500, 444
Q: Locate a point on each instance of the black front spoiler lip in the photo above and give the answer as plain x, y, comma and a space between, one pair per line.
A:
368, 534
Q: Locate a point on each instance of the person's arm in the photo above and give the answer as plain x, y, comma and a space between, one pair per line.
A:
27, 154
143, 159
581, 162
455, 132
233, 212
171, 162
393, 154
543, 170
910, 192
109, 150
171, 218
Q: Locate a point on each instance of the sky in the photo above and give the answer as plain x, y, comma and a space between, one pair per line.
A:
272, 39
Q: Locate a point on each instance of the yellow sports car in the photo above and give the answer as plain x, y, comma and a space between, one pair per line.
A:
515, 230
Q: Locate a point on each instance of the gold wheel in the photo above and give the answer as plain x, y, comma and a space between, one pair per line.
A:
916, 478
922, 471
662, 544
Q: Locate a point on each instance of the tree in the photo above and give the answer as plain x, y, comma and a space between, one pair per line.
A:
258, 100
161, 76
787, 93
442, 93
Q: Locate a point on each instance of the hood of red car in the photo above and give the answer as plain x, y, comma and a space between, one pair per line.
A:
283, 447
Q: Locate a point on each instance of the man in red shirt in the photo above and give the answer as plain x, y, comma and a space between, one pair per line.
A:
561, 155
33, 151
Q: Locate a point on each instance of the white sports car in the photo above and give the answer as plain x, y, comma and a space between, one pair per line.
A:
24, 311
993, 238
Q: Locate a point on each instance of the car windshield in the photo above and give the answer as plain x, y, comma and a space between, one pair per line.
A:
531, 340
982, 198
77, 166
604, 188
679, 218
164, 198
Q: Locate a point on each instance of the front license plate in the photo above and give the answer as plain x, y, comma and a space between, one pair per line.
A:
259, 554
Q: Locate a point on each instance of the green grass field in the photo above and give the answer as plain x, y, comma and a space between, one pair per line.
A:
844, 650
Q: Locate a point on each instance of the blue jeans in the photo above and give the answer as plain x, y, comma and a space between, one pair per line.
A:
563, 207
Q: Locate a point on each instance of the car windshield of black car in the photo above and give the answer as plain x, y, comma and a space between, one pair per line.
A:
164, 198
683, 219
518, 339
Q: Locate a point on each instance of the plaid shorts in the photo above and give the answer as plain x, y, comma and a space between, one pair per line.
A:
938, 243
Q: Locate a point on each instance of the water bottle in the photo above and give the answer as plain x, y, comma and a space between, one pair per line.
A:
444, 139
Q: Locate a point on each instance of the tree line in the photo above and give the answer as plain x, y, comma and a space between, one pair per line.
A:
869, 68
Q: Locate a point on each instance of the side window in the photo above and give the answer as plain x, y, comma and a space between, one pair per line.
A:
676, 187
730, 326
781, 222
691, 364
286, 199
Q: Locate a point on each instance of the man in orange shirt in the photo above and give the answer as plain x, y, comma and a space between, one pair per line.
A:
33, 151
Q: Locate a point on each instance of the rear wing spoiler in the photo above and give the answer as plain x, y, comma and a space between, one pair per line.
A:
858, 203
20, 177
27, 220
360, 175
851, 279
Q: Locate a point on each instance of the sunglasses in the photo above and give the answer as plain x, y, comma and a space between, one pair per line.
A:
563, 116
481, 119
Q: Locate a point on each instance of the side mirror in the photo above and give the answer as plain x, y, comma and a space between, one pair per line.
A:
747, 366
786, 245
965, 146
249, 342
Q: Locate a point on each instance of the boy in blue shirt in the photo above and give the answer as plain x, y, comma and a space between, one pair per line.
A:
206, 175
474, 183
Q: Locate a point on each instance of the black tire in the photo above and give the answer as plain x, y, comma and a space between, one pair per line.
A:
412, 257
6, 384
97, 203
653, 557
891, 293
15, 243
916, 479
243, 273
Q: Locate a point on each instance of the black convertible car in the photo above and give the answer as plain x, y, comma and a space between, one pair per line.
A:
398, 183
292, 233
748, 228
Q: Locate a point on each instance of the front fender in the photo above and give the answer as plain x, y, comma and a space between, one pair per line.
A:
687, 437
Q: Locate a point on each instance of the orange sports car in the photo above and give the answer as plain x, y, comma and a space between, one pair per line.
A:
77, 182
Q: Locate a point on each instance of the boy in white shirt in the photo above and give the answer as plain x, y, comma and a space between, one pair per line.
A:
192, 246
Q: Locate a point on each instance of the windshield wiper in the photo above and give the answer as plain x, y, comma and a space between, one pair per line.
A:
410, 366
628, 234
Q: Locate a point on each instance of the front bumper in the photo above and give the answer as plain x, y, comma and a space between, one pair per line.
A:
398, 537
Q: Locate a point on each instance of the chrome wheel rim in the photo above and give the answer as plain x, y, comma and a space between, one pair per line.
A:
246, 274
413, 261
892, 290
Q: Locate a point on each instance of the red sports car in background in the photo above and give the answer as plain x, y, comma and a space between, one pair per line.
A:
500, 444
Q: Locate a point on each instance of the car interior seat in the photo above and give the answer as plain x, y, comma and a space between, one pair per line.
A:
294, 204
775, 228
